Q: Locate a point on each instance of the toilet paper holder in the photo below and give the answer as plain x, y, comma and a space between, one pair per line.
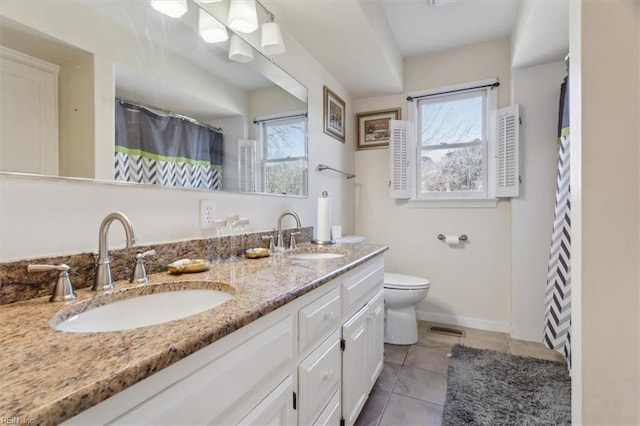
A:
462, 237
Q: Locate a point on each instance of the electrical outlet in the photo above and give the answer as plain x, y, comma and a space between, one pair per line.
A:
207, 213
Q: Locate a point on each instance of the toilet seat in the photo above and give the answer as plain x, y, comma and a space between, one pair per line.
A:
405, 282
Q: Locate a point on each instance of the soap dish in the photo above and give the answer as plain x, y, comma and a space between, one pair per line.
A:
255, 253
183, 266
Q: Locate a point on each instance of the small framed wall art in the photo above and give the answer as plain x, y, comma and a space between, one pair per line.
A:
334, 115
373, 128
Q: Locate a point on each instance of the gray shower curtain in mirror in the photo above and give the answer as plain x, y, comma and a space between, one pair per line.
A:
165, 150
557, 323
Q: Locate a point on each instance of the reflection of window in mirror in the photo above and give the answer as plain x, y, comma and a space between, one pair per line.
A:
283, 154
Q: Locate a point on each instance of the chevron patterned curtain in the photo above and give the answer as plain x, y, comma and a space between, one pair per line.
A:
165, 149
557, 330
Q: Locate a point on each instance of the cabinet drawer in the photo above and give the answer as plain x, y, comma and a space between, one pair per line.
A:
318, 318
366, 281
243, 375
330, 416
319, 378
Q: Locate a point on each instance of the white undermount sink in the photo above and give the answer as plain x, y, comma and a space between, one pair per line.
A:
315, 256
143, 311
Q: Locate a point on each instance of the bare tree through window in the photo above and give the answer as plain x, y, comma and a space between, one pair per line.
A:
285, 156
452, 131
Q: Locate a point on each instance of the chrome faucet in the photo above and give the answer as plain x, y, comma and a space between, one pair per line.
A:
279, 240
103, 279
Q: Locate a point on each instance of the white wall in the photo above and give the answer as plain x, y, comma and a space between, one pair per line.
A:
470, 285
45, 216
537, 90
76, 117
605, 181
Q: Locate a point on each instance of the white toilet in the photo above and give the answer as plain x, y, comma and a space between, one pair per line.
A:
401, 294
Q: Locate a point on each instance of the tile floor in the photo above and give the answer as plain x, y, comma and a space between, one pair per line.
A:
413, 384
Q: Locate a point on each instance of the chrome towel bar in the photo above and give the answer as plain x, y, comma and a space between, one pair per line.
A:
322, 167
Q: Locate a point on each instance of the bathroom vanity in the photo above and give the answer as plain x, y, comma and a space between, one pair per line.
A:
300, 342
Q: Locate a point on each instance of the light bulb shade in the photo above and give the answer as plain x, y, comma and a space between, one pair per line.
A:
173, 8
211, 30
243, 16
272, 43
239, 50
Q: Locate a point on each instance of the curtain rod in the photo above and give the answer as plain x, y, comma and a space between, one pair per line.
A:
412, 98
172, 114
284, 117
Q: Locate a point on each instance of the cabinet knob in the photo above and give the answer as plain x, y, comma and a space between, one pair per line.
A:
329, 316
328, 375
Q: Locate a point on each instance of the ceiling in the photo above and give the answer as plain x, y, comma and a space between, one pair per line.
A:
362, 43
420, 28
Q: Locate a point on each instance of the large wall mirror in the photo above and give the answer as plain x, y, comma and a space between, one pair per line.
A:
119, 91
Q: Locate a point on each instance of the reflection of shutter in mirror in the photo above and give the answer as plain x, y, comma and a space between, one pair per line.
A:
247, 165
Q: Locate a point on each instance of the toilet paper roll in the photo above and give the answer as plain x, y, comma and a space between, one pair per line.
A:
323, 229
452, 239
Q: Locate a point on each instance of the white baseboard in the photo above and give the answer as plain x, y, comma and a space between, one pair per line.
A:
502, 327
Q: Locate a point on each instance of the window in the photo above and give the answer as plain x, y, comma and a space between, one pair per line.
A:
452, 143
284, 155
457, 148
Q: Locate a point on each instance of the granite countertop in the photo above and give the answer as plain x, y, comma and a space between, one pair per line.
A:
48, 376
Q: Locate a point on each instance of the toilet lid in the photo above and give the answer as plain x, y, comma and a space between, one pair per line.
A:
400, 281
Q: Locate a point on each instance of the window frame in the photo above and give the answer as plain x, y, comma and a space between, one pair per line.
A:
483, 198
262, 124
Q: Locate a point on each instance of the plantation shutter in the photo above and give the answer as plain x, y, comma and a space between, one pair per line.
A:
508, 149
400, 184
247, 165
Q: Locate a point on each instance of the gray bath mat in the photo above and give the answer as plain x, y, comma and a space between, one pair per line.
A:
493, 388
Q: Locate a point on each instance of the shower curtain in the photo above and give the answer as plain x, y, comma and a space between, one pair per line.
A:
165, 150
557, 329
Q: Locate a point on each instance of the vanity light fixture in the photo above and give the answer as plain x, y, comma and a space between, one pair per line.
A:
211, 30
172, 8
239, 50
272, 42
243, 16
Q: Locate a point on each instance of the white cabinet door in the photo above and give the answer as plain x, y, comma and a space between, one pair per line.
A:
330, 416
355, 380
318, 379
375, 336
276, 409
233, 383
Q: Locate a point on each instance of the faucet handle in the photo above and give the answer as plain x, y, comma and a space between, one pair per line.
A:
139, 271
63, 290
272, 247
292, 241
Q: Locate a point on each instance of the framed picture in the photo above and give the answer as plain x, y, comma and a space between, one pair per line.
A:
373, 128
334, 115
